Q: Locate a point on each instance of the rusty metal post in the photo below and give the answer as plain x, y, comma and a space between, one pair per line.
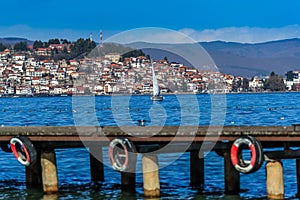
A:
151, 176
49, 171
34, 174
96, 163
128, 178
232, 176
275, 182
298, 176
196, 169
128, 181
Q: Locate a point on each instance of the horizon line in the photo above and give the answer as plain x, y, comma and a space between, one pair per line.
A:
208, 41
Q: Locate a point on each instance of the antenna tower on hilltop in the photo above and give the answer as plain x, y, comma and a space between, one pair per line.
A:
91, 37
101, 44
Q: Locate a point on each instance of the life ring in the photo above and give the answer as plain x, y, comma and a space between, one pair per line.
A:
122, 155
236, 155
23, 150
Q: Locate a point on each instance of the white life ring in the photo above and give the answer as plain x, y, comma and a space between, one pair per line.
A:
237, 160
23, 150
122, 155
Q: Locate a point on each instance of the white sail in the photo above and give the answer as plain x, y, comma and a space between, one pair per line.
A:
156, 91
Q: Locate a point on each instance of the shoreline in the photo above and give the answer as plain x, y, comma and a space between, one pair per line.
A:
126, 94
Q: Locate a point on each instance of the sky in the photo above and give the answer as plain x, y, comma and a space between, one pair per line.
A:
203, 20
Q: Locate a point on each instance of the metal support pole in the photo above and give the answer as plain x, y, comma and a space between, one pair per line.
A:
34, 173
232, 176
298, 176
96, 163
128, 181
196, 169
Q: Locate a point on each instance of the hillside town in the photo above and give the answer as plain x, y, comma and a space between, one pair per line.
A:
24, 73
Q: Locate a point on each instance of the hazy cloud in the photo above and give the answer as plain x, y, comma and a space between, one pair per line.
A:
151, 35
244, 34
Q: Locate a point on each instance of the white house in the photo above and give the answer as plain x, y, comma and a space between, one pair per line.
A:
17, 57
256, 83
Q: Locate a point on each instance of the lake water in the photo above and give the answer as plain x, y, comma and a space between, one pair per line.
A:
74, 177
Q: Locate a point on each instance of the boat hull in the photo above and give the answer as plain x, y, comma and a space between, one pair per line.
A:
157, 98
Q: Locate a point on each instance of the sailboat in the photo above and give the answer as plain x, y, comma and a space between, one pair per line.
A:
156, 92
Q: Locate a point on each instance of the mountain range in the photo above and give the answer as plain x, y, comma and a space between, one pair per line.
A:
239, 59
255, 59
13, 40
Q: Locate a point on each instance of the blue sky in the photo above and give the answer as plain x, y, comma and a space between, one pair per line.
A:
204, 20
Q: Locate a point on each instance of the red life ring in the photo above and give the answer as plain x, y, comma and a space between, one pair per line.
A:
23, 150
122, 155
237, 160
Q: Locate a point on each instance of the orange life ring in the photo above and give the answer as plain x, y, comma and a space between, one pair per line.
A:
122, 154
23, 150
236, 155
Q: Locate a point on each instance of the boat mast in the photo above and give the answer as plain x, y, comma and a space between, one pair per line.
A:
156, 91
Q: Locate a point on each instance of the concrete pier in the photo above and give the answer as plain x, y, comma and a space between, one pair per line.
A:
49, 171
151, 176
275, 182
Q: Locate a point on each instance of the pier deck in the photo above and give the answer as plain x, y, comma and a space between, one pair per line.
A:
151, 134
72, 136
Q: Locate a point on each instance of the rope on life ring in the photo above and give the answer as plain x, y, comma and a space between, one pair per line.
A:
23, 150
236, 154
122, 155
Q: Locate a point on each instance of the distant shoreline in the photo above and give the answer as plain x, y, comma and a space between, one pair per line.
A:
164, 94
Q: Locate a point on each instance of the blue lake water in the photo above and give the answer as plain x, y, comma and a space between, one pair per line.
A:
74, 177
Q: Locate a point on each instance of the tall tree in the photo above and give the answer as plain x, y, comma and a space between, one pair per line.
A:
82, 46
2, 47
65, 50
64, 41
21, 46
274, 83
54, 41
38, 44
166, 59
133, 53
